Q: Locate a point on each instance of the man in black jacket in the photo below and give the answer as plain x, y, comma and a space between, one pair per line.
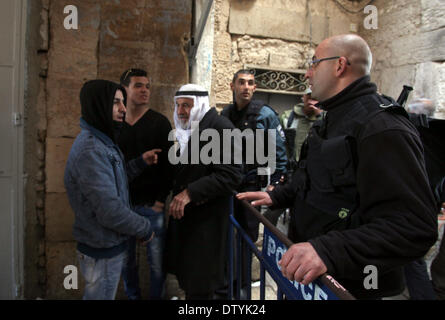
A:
202, 190
360, 195
246, 113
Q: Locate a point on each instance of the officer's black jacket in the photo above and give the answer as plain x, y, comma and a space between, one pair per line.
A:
258, 115
367, 200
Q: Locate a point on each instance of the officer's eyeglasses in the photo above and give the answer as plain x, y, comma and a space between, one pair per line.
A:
314, 62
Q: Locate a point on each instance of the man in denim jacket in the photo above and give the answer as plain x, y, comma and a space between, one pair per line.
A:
97, 186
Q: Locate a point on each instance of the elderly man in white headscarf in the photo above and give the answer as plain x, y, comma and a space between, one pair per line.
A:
191, 105
199, 211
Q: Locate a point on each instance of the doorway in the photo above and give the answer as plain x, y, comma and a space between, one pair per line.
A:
12, 13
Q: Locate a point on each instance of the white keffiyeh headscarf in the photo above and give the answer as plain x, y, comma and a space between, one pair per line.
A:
200, 107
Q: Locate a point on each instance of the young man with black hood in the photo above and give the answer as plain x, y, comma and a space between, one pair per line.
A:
96, 181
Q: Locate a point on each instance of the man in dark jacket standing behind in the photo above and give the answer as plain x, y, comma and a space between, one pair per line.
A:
360, 196
97, 188
199, 211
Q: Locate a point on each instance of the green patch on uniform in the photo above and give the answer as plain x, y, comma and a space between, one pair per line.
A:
343, 213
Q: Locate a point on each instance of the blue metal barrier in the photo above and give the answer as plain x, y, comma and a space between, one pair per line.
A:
323, 288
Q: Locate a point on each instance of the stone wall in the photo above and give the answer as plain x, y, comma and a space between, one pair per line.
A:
35, 133
271, 34
112, 37
406, 46
408, 49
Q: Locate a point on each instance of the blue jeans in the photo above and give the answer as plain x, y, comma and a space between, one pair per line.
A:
155, 250
101, 275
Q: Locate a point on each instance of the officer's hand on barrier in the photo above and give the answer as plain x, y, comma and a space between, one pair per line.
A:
302, 263
259, 198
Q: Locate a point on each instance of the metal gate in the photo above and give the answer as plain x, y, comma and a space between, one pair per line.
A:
275, 244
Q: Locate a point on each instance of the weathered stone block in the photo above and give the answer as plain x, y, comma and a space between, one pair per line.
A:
419, 48
295, 23
273, 53
171, 5
148, 38
73, 53
63, 107
127, 24
44, 30
40, 111
433, 16
59, 218
45, 4
161, 100
221, 84
57, 150
280, 61
259, 21
395, 18
320, 28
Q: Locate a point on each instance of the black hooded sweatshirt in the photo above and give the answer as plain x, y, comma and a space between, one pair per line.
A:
96, 98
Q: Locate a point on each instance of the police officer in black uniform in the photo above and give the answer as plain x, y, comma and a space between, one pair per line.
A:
247, 113
360, 195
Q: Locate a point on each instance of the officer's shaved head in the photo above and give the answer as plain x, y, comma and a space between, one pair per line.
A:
338, 61
355, 49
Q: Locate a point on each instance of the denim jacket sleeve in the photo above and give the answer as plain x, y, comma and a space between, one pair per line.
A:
103, 182
135, 167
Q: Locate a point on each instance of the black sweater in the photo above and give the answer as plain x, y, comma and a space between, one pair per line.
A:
149, 132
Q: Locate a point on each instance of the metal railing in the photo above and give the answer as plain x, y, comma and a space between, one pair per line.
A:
275, 243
